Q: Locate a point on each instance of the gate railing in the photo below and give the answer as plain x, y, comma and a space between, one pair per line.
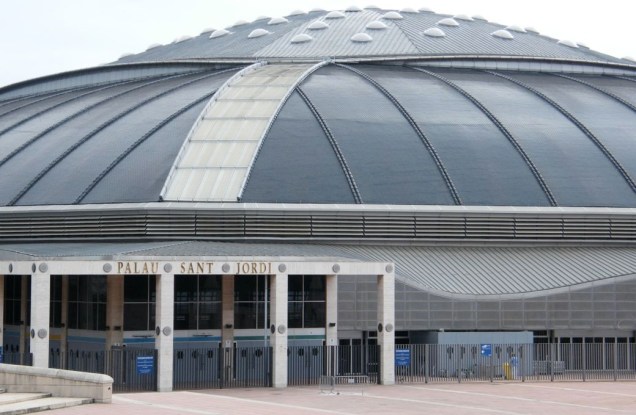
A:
307, 364
221, 367
515, 362
132, 369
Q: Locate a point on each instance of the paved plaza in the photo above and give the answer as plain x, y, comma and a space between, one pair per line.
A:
467, 398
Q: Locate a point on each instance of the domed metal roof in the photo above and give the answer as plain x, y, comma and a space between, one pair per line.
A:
402, 38
466, 119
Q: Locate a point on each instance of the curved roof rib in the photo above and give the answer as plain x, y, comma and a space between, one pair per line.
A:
334, 144
216, 159
138, 142
576, 122
99, 128
601, 90
429, 146
517, 146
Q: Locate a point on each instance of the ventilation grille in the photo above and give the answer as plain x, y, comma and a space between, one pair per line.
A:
238, 225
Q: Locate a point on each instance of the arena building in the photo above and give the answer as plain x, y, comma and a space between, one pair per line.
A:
356, 177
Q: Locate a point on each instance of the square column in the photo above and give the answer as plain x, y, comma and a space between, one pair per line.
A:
386, 327
227, 311
114, 310
2, 317
279, 329
331, 329
165, 330
40, 314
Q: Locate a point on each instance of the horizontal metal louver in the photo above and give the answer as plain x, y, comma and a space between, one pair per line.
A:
157, 223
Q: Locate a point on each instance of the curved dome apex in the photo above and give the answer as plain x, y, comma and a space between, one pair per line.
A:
466, 36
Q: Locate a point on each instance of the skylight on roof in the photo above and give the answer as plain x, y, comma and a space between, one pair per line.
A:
297, 13
464, 17
426, 10
503, 34
372, 7
568, 43
318, 25
316, 9
277, 20
434, 32
479, 17
182, 39
334, 15
376, 25
408, 10
240, 23
532, 30
219, 33
154, 45
353, 9
392, 16
302, 38
448, 22
258, 33
361, 38
207, 30
516, 28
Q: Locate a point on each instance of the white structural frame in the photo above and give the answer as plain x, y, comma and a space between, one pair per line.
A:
166, 271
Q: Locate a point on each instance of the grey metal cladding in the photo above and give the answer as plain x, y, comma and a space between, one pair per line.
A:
576, 171
145, 169
401, 38
296, 163
70, 176
387, 159
482, 163
62, 184
336, 40
621, 87
611, 122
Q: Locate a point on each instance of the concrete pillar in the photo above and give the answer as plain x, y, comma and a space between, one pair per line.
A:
2, 317
278, 318
331, 331
64, 321
114, 310
227, 318
386, 327
40, 315
24, 336
165, 331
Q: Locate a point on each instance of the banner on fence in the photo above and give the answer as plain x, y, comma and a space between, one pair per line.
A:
145, 365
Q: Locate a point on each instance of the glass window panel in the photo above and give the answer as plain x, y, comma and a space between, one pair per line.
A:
191, 186
209, 182
135, 317
295, 288
244, 288
135, 288
315, 288
209, 316
234, 179
295, 317
185, 316
245, 315
209, 288
314, 314
185, 288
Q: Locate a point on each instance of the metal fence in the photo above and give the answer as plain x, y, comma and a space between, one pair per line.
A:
220, 367
132, 370
307, 364
515, 362
16, 358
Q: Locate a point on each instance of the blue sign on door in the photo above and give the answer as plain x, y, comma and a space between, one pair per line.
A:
486, 350
145, 364
402, 357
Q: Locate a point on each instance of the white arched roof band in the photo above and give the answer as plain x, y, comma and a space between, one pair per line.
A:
216, 158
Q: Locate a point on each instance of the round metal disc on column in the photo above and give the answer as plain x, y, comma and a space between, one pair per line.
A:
389, 268
107, 268
336, 268
282, 268
389, 328
282, 329
167, 268
167, 331
379, 327
42, 333
226, 267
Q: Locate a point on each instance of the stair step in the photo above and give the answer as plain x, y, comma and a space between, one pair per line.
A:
10, 398
43, 404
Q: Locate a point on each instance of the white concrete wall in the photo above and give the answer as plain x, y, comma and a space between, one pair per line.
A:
40, 312
278, 318
164, 340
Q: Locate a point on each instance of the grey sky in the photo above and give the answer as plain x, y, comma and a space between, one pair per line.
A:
42, 37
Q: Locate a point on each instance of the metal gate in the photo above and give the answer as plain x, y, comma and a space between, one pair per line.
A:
221, 367
132, 369
306, 364
515, 362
